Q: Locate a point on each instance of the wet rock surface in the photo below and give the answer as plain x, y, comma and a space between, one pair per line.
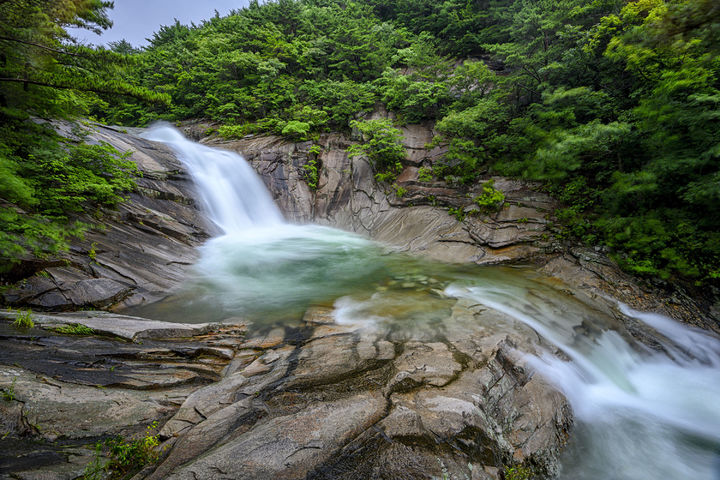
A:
314, 399
355, 402
62, 393
142, 250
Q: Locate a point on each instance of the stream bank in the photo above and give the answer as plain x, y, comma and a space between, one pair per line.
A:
452, 393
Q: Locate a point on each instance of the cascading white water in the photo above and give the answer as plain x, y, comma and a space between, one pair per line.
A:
642, 414
235, 198
260, 261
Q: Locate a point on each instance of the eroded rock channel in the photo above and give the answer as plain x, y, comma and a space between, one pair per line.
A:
415, 375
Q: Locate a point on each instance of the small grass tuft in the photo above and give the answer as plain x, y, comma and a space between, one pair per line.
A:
9, 394
75, 329
517, 473
23, 319
124, 457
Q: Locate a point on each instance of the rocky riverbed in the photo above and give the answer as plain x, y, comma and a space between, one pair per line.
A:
316, 400
313, 397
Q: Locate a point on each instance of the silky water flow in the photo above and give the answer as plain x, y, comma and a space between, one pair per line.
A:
641, 413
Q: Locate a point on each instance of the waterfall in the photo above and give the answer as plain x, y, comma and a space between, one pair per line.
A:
233, 195
260, 261
642, 413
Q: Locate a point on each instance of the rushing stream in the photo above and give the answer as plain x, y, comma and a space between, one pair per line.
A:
641, 413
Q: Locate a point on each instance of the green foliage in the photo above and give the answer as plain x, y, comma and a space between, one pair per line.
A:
399, 191
125, 457
23, 319
45, 180
517, 473
45, 72
296, 130
9, 394
425, 174
258, 64
383, 147
470, 82
312, 168
49, 181
312, 173
229, 132
491, 199
413, 100
470, 134
458, 213
75, 329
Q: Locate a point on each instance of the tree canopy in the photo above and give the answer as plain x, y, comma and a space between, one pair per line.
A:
46, 180
612, 104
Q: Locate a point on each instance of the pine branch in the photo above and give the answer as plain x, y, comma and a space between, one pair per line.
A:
89, 88
38, 45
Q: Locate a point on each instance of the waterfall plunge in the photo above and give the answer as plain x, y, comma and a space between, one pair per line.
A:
260, 261
642, 414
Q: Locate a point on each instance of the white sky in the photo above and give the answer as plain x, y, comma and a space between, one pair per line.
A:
136, 20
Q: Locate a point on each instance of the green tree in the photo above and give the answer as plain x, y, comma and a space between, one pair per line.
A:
382, 144
47, 180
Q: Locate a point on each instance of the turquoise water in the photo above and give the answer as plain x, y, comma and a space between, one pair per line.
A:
642, 414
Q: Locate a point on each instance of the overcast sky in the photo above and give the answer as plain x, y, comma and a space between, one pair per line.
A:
136, 20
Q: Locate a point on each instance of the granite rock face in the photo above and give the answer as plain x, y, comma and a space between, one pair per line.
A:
143, 249
348, 197
355, 402
63, 393
313, 400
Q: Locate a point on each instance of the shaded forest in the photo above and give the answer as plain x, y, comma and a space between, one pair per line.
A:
613, 105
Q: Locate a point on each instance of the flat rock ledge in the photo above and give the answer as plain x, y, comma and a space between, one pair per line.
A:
63, 393
316, 400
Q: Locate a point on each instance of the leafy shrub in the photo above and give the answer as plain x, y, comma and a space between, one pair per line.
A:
382, 146
311, 170
470, 135
125, 457
458, 213
425, 174
491, 199
413, 100
296, 130
341, 100
311, 173
229, 132
47, 181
